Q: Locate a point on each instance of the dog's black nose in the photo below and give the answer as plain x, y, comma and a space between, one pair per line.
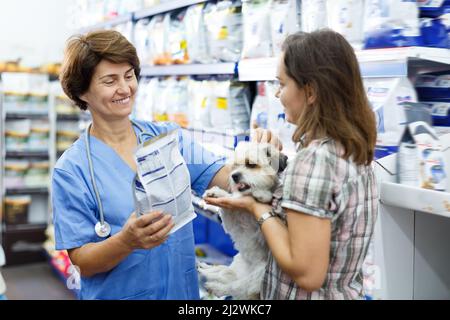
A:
236, 176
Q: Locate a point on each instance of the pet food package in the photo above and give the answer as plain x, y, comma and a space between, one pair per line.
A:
67, 133
177, 103
15, 172
16, 209
256, 24
260, 108
223, 22
126, 29
161, 97
200, 101
196, 34
178, 47
144, 106
440, 113
17, 134
142, 41
39, 138
231, 106
433, 86
314, 15
433, 8
435, 32
346, 18
159, 51
391, 23
385, 97
283, 22
276, 119
37, 175
162, 181
420, 158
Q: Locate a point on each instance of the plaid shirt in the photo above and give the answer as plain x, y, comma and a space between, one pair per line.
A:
320, 182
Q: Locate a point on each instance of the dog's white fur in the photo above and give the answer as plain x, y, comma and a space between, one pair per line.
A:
255, 169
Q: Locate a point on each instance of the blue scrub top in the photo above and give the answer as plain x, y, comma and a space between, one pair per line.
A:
165, 272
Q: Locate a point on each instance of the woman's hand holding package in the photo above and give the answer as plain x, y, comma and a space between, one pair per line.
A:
148, 231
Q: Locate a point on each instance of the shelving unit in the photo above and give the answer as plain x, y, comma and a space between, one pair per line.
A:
375, 63
165, 7
420, 200
189, 69
108, 24
412, 255
22, 240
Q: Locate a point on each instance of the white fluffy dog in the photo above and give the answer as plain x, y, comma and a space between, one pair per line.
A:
255, 169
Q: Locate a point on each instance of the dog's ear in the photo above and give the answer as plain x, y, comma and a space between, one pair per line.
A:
269, 151
277, 159
282, 162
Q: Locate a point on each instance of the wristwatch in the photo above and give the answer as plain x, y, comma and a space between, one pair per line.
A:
264, 217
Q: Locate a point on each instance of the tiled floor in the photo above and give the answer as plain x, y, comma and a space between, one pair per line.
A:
34, 282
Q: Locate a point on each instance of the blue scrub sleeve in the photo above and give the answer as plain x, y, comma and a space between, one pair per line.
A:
202, 164
73, 211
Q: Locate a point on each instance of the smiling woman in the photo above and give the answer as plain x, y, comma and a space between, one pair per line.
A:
119, 255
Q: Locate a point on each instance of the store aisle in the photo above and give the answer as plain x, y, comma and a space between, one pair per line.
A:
34, 282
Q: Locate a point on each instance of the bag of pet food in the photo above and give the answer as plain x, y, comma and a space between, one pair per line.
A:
178, 47
420, 160
385, 96
314, 15
283, 21
256, 25
201, 97
231, 107
391, 23
347, 19
142, 41
196, 34
223, 21
260, 108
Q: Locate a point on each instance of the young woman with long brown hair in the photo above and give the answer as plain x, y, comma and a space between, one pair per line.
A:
322, 222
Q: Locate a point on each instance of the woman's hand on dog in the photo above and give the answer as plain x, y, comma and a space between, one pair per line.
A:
266, 136
247, 203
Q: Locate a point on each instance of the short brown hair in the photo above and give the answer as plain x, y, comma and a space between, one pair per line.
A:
84, 52
327, 63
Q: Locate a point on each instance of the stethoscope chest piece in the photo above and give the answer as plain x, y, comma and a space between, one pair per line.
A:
102, 229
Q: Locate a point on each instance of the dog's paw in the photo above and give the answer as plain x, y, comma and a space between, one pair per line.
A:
203, 267
215, 192
216, 288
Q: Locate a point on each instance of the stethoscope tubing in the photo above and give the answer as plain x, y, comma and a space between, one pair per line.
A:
103, 230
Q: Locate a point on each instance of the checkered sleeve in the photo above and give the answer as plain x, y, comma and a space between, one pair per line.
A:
308, 183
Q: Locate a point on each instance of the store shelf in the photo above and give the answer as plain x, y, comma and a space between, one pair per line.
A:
165, 7
25, 191
25, 227
67, 117
189, 69
107, 24
391, 62
417, 199
27, 154
394, 62
20, 116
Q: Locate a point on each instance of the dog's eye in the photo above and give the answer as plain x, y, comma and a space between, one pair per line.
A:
251, 165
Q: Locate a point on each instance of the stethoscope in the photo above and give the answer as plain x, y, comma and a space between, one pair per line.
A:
102, 228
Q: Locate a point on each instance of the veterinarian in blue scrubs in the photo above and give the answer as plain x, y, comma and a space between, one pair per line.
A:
137, 260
